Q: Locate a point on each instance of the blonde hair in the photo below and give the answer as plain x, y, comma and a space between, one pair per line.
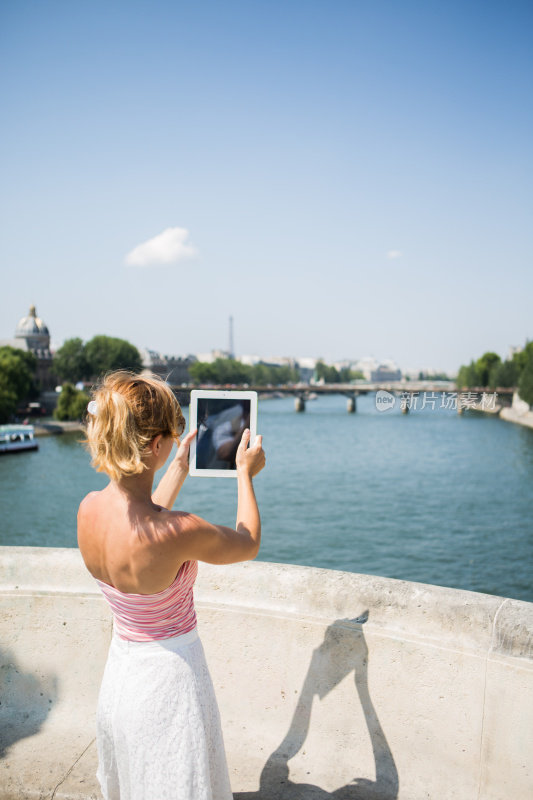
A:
130, 411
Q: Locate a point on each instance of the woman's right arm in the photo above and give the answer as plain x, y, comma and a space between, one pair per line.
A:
216, 544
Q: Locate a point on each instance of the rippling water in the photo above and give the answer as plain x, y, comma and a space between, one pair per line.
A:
430, 496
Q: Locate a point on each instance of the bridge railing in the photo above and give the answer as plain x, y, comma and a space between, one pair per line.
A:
327, 682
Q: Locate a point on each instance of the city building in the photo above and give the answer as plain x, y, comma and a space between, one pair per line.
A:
378, 371
386, 371
367, 366
306, 367
174, 369
208, 358
32, 335
250, 360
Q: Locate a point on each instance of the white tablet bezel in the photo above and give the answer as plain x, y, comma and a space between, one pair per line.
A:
207, 394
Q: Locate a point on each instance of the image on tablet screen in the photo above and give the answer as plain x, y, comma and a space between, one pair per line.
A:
220, 424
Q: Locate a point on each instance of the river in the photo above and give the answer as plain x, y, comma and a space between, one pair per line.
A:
431, 496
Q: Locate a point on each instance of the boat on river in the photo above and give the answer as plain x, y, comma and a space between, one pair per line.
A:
14, 438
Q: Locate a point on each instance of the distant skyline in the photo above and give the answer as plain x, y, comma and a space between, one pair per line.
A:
356, 360
344, 179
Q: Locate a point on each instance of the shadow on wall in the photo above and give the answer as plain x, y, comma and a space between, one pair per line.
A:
336, 657
25, 701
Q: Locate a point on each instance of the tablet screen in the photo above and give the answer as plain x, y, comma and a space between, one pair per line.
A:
220, 423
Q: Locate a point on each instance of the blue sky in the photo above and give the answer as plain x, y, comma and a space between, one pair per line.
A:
346, 178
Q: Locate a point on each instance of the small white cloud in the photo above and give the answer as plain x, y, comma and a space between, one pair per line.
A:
394, 254
167, 247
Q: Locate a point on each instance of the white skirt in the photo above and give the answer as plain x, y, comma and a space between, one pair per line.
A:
158, 726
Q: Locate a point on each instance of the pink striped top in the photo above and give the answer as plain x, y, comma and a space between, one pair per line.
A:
143, 617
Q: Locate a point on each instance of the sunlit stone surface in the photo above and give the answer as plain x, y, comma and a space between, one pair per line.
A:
330, 684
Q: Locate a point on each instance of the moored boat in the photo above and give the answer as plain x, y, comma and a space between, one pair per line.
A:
14, 438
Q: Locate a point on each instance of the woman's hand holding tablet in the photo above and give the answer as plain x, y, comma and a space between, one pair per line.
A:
220, 417
250, 460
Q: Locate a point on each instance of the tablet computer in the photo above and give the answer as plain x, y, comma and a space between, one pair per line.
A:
220, 417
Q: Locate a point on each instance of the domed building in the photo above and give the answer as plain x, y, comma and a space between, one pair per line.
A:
32, 335
35, 333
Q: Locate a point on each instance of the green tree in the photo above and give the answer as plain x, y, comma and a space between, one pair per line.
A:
105, 353
228, 370
490, 371
505, 375
8, 402
285, 374
202, 372
323, 371
468, 376
71, 403
346, 375
262, 375
485, 365
17, 369
221, 371
273, 375
70, 361
521, 358
525, 384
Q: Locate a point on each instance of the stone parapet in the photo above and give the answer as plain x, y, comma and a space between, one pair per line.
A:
330, 684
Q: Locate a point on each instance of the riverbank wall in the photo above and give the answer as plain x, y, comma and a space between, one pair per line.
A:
519, 412
57, 427
330, 684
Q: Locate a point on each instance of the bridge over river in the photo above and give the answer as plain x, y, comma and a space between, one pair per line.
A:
412, 394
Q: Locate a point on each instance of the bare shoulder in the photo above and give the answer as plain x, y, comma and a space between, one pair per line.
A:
196, 538
89, 517
182, 532
179, 524
88, 504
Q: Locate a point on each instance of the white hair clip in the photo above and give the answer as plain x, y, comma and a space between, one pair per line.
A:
92, 408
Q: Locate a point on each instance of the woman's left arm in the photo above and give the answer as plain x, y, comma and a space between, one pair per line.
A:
170, 484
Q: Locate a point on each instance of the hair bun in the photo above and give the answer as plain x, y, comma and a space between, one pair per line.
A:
127, 412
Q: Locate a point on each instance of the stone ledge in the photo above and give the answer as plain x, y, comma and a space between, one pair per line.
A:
416, 689
520, 418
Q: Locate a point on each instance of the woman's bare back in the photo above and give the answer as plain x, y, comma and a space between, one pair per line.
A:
129, 544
